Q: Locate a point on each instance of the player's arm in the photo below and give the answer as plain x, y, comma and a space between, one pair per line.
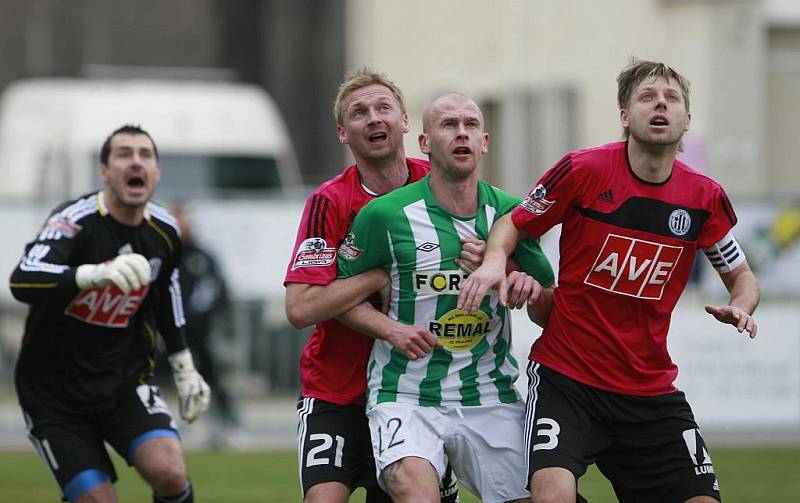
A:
743, 288
414, 342
503, 239
194, 394
309, 304
729, 260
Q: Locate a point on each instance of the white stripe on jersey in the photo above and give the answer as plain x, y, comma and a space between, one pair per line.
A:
164, 215
726, 255
177, 300
32, 261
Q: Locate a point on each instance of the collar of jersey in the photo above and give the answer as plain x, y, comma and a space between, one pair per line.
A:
431, 200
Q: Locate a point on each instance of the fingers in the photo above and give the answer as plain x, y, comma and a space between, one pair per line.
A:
129, 272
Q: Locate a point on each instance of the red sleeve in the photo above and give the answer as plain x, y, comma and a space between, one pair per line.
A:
321, 229
721, 221
550, 199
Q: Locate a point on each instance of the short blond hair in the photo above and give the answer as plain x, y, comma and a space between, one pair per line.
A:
364, 77
639, 70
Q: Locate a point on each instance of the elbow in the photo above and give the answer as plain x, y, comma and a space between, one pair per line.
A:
297, 317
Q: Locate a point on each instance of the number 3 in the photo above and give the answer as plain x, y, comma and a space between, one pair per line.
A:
550, 429
327, 442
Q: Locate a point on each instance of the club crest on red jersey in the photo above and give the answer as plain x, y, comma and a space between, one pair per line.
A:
314, 252
633, 267
107, 306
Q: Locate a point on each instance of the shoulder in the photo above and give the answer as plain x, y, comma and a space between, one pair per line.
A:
160, 216
418, 168
496, 197
78, 209
595, 159
695, 177
339, 184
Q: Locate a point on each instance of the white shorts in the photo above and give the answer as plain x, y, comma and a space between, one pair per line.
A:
485, 444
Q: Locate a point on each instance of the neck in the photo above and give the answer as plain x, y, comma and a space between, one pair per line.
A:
127, 215
459, 196
383, 175
652, 163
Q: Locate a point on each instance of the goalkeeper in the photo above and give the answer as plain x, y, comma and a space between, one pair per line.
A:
101, 280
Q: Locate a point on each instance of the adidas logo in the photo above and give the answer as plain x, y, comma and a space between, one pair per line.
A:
607, 196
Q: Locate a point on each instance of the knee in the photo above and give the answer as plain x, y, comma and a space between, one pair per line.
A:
169, 480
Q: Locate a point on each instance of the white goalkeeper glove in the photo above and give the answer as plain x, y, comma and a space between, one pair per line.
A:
194, 394
128, 272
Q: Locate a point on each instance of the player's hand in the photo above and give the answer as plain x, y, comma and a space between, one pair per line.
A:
128, 272
522, 289
735, 316
194, 394
471, 255
492, 273
413, 341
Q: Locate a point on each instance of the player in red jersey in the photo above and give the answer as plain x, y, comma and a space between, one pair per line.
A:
334, 445
601, 388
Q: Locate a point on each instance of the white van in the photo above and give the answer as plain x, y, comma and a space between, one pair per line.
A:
215, 139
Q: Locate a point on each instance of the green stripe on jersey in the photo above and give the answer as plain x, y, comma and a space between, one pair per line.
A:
409, 235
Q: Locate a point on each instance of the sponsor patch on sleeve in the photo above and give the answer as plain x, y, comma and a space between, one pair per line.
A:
536, 202
57, 227
314, 252
348, 250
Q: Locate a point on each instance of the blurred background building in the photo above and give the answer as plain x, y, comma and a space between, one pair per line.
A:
544, 72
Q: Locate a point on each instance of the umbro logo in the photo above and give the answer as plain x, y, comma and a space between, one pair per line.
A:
427, 247
606, 196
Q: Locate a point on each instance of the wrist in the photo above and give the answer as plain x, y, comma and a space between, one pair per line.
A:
181, 361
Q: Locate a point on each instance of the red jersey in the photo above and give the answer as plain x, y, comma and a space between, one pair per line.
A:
627, 248
333, 366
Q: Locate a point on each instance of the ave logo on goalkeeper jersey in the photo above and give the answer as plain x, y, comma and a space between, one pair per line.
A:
633, 267
108, 306
314, 252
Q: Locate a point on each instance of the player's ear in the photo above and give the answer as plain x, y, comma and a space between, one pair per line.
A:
342, 133
623, 118
406, 127
485, 143
688, 121
423, 144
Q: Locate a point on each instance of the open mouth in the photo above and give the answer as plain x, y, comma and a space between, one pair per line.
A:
659, 121
376, 137
464, 150
135, 182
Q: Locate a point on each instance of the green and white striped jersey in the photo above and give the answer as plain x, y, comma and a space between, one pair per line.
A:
415, 240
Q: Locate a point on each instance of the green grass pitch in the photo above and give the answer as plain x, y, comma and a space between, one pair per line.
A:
746, 476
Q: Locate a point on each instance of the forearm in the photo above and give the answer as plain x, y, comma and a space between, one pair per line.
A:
502, 241
365, 319
744, 290
310, 304
539, 312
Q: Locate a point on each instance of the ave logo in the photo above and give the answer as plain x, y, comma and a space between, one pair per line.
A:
107, 307
633, 267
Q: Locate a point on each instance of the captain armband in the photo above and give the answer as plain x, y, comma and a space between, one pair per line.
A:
726, 255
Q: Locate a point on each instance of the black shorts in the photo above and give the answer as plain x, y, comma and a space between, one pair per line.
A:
648, 447
334, 445
72, 445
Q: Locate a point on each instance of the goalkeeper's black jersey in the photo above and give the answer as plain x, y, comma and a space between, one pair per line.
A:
83, 348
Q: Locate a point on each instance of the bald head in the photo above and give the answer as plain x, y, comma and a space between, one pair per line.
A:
450, 102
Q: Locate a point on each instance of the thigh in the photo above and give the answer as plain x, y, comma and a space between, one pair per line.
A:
334, 445
401, 430
486, 446
663, 458
140, 415
72, 447
560, 428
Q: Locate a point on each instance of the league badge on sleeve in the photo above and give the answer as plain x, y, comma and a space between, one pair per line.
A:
536, 202
314, 252
348, 250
